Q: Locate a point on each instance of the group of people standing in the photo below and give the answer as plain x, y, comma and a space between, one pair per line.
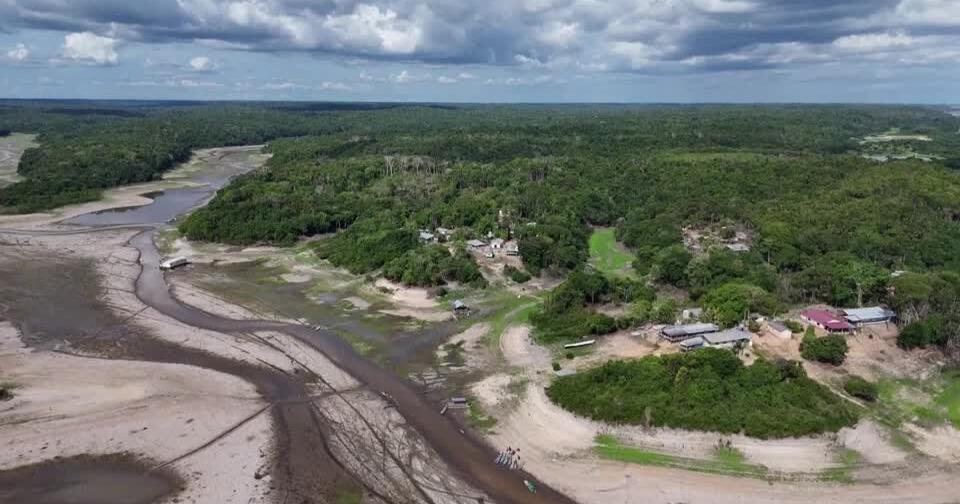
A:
509, 458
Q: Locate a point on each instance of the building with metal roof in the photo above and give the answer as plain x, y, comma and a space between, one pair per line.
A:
866, 316
677, 333
827, 321
730, 338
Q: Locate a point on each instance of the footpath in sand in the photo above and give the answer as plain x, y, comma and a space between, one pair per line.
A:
557, 446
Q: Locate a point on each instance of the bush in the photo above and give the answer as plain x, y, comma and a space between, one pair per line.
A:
923, 334
730, 303
860, 388
794, 326
707, 390
556, 366
664, 311
831, 349
517, 275
569, 355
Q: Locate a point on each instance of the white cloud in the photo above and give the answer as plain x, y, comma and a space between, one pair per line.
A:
334, 86
20, 53
202, 64
190, 83
370, 27
870, 42
91, 48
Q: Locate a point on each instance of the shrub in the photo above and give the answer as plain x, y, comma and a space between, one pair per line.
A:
517, 275
569, 355
556, 366
860, 388
730, 303
831, 349
794, 326
664, 311
923, 334
707, 390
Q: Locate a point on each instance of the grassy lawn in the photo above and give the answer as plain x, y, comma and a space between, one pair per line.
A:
931, 402
949, 397
726, 460
506, 308
607, 255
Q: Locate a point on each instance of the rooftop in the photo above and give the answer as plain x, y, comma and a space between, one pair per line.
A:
866, 314
728, 336
689, 329
778, 326
827, 319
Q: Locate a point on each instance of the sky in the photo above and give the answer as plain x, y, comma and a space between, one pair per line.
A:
891, 51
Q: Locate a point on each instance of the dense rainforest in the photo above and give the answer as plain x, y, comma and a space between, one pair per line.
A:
818, 221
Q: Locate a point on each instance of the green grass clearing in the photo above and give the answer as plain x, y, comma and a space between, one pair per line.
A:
949, 397
506, 308
843, 473
478, 418
607, 255
727, 460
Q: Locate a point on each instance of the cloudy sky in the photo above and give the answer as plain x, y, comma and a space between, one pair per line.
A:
484, 50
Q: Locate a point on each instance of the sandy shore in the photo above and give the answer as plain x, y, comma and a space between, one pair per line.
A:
557, 446
66, 406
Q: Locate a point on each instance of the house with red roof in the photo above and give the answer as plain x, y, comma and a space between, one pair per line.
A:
826, 320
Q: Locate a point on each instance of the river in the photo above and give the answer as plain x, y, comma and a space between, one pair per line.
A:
469, 456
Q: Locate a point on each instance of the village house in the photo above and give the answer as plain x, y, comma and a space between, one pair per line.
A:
827, 321
511, 248
496, 243
731, 339
427, 237
677, 333
778, 329
860, 317
476, 244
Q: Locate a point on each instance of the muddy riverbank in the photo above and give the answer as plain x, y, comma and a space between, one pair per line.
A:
116, 479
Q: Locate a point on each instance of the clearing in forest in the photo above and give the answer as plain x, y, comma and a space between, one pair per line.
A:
607, 255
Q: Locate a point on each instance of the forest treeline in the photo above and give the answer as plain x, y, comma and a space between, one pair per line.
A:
824, 223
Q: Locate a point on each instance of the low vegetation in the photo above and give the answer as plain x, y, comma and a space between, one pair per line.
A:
861, 389
517, 275
727, 460
567, 314
708, 390
830, 349
607, 255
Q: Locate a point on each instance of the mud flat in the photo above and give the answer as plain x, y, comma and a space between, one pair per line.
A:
117, 479
325, 431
